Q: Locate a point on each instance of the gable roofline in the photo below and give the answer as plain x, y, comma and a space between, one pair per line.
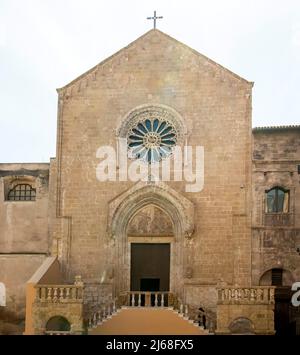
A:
137, 40
275, 128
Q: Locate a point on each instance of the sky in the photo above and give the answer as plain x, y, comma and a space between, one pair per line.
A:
44, 44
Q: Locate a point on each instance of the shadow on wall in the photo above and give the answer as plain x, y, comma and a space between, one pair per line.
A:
9, 323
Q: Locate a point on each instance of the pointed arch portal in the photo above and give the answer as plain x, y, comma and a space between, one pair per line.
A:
180, 212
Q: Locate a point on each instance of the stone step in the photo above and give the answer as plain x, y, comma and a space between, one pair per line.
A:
148, 321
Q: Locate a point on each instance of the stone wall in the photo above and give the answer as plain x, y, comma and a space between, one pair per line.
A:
254, 319
24, 239
276, 157
15, 271
214, 104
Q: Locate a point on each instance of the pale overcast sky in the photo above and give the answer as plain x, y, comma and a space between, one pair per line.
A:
44, 44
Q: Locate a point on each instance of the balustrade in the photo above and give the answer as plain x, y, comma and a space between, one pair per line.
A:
59, 293
257, 295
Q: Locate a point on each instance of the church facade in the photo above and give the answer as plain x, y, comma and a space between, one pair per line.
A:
99, 227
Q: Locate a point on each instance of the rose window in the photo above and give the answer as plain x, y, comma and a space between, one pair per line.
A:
152, 140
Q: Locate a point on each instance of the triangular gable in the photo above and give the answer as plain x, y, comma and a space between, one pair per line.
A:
151, 32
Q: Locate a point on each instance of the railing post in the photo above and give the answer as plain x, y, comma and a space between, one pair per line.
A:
147, 299
43, 293
49, 298
186, 311
133, 300
140, 300
162, 303
156, 300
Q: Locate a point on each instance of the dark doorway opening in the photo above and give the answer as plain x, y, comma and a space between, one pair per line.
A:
150, 267
150, 270
285, 323
150, 284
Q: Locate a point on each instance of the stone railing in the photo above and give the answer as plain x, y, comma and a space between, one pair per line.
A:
101, 314
59, 293
253, 295
278, 219
148, 299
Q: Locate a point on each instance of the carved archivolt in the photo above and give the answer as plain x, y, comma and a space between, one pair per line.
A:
175, 205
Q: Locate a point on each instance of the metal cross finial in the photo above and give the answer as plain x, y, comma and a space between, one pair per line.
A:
154, 18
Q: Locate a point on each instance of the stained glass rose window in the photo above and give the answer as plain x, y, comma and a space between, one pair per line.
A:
152, 140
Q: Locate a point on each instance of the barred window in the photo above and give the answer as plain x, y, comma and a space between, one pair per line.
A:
277, 200
22, 192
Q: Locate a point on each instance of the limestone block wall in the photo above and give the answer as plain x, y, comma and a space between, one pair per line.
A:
276, 157
214, 104
24, 239
15, 271
259, 317
43, 312
24, 224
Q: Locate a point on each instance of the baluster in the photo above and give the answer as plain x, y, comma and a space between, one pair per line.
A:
55, 298
43, 294
181, 309
162, 300
95, 320
61, 294
186, 311
133, 300
226, 294
272, 294
114, 307
252, 295
99, 322
49, 298
156, 300
140, 300
67, 293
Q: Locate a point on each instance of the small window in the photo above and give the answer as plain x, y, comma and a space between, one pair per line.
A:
22, 192
277, 200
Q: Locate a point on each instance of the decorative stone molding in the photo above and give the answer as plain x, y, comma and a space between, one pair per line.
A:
178, 207
181, 213
159, 111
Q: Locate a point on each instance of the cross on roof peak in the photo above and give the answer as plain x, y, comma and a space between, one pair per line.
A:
154, 18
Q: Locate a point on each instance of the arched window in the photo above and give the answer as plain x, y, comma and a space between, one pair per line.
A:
22, 192
277, 200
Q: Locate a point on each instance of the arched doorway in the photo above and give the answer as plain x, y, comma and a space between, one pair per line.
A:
131, 213
150, 233
285, 317
58, 324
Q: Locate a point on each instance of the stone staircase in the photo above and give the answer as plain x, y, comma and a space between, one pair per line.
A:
147, 321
